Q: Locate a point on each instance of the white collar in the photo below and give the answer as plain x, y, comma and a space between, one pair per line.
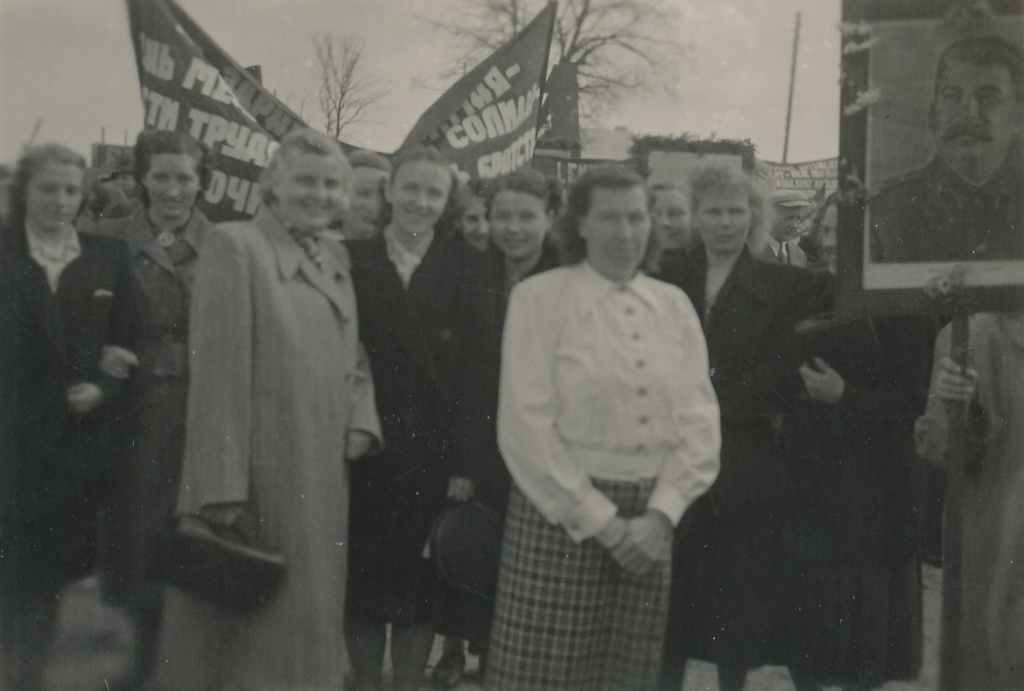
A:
69, 244
591, 287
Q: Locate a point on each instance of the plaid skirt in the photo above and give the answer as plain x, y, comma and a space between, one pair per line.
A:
567, 617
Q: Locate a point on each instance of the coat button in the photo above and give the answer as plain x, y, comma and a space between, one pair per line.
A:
446, 334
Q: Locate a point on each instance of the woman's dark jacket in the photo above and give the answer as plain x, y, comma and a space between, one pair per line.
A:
857, 473
55, 470
428, 346
753, 365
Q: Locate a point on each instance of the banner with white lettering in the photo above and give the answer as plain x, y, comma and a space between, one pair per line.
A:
486, 124
810, 176
189, 84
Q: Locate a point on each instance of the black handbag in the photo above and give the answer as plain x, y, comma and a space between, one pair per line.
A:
218, 563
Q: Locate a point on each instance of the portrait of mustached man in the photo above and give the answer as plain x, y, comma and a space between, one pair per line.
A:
966, 203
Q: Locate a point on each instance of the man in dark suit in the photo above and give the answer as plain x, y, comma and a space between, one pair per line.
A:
791, 208
968, 202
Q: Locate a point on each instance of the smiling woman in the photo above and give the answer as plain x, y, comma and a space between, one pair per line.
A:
307, 190
65, 297
280, 400
424, 318
164, 238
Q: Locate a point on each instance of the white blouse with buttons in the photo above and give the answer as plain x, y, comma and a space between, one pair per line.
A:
602, 380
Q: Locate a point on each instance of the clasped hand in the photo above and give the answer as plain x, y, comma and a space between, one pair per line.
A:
638, 544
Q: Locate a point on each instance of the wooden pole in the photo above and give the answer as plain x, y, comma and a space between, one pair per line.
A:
792, 83
952, 576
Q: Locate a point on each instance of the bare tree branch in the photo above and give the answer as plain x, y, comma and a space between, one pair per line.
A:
619, 46
346, 95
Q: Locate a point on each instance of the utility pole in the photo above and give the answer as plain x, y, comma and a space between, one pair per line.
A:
792, 83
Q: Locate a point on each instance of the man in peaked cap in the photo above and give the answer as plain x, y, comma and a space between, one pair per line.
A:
790, 209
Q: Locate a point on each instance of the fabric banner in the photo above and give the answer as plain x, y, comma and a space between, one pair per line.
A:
486, 123
189, 84
809, 177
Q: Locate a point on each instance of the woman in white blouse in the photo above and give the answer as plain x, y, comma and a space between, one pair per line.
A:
609, 426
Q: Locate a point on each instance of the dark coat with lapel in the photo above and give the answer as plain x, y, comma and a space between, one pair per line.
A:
731, 593
55, 340
749, 332
854, 463
428, 346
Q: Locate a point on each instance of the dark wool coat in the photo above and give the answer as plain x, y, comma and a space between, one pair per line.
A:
56, 474
730, 588
429, 346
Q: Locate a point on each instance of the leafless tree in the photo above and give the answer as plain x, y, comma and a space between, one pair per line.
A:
346, 94
619, 46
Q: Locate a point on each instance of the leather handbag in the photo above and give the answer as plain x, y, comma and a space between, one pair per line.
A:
219, 563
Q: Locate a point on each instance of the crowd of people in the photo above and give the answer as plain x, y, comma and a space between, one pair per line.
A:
685, 452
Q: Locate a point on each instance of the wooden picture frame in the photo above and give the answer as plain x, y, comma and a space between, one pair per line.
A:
907, 242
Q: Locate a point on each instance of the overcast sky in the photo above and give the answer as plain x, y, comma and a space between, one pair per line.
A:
69, 64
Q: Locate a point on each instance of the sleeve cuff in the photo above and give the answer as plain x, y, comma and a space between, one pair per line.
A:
669, 502
589, 517
364, 417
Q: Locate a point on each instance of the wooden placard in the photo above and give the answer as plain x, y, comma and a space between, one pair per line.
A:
915, 237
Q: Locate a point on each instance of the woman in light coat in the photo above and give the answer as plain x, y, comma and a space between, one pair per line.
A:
279, 401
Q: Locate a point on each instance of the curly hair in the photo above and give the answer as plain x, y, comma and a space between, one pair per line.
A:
33, 160
719, 177
572, 248
301, 141
150, 143
547, 189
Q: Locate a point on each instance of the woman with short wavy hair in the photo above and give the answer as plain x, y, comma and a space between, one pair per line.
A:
164, 237
729, 598
280, 402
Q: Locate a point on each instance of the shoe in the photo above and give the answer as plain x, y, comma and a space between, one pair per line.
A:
449, 670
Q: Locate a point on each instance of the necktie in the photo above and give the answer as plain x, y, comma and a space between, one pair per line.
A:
783, 252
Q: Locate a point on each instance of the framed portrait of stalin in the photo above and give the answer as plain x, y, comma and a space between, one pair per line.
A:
932, 155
